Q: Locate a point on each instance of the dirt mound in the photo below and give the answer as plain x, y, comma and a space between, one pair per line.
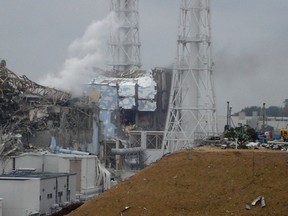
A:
200, 182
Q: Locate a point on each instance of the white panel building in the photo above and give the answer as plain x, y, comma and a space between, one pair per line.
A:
85, 166
26, 192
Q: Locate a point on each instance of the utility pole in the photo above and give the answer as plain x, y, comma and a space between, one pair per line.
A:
192, 110
264, 115
228, 116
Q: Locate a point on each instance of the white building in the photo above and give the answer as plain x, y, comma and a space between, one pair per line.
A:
89, 172
26, 192
1, 200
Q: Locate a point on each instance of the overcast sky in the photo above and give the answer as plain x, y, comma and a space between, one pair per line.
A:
250, 42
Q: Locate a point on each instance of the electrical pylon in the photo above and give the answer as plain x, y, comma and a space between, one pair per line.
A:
192, 109
124, 44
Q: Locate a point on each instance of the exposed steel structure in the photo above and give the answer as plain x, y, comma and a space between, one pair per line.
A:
10, 82
124, 44
192, 110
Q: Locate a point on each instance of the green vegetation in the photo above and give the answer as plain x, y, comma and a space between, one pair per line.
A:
241, 134
272, 111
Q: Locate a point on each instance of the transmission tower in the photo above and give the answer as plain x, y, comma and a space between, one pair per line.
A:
192, 110
124, 44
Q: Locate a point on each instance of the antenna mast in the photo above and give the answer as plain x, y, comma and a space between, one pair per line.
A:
192, 109
124, 44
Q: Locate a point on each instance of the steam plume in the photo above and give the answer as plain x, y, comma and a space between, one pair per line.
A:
84, 53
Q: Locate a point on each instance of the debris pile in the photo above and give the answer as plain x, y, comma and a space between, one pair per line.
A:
31, 113
272, 145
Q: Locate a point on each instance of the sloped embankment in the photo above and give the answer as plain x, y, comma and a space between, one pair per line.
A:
200, 182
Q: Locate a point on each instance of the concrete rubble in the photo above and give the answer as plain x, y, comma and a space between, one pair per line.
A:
31, 114
39, 118
272, 145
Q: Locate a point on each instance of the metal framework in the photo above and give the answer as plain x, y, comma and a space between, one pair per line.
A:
124, 44
10, 82
192, 110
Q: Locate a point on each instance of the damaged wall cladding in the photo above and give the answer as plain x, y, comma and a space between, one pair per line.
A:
30, 114
146, 94
107, 104
122, 99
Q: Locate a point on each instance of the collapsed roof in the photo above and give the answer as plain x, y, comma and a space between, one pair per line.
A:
27, 108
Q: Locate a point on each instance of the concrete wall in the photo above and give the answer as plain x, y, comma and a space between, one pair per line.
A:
5, 166
24, 196
30, 161
85, 180
39, 161
47, 193
1, 200
72, 188
21, 197
59, 163
56, 163
51, 163
153, 155
88, 178
59, 190
94, 146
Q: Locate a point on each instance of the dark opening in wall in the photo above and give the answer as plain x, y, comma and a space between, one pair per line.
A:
128, 117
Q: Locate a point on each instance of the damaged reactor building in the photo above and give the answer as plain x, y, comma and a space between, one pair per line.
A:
31, 114
130, 105
120, 117
113, 130
117, 126
113, 114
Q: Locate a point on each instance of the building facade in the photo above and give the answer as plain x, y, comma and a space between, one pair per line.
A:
27, 192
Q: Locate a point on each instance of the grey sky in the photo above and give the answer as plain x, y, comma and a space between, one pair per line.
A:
250, 40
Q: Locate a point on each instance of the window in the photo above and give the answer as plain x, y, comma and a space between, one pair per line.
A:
49, 196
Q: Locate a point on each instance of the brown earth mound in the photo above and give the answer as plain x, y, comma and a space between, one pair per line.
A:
200, 182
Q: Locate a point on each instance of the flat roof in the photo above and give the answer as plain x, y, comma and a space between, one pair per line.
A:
31, 174
60, 155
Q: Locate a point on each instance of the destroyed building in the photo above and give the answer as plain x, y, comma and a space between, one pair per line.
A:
119, 119
31, 114
130, 103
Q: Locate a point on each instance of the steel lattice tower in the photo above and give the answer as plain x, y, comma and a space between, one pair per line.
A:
124, 44
192, 110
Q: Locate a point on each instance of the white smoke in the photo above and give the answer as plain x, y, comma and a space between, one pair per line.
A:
84, 53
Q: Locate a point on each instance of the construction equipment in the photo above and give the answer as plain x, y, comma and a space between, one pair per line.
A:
284, 134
